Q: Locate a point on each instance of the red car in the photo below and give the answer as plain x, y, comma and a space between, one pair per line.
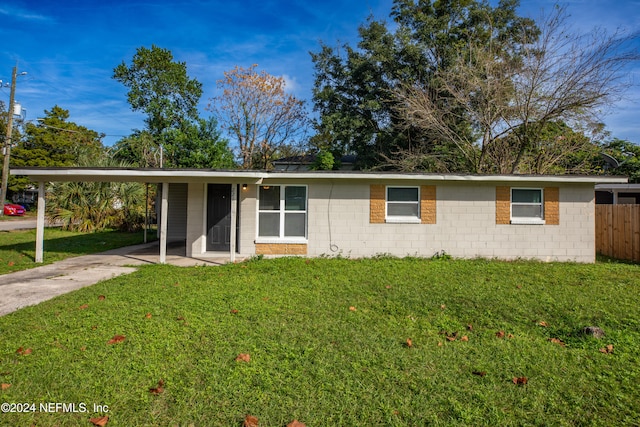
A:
13, 209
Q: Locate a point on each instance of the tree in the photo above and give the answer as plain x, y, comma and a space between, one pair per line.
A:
354, 88
54, 142
198, 144
255, 109
138, 149
195, 144
161, 89
514, 99
628, 156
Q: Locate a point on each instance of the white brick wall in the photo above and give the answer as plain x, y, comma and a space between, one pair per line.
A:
465, 224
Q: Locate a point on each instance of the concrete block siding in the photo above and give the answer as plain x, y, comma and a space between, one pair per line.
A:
465, 226
340, 221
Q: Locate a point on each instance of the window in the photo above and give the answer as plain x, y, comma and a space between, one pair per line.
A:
527, 206
403, 204
282, 212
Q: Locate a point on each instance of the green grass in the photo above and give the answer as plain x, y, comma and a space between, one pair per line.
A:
315, 360
17, 248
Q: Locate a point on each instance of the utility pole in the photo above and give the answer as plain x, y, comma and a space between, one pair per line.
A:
7, 141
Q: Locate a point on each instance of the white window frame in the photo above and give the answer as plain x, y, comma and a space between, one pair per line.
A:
282, 212
527, 220
401, 219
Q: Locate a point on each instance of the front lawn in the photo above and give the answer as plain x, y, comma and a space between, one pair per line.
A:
333, 342
17, 248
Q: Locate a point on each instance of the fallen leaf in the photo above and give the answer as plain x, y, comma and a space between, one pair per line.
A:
10, 263
388, 286
607, 350
100, 421
148, 315
24, 352
234, 311
520, 380
510, 336
159, 389
176, 284
442, 306
296, 423
464, 338
101, 297
479, 373
94, 327
500, 334
557, 341
439, 343
519, 286
243, 357
409, 342
352, 308
180, 318
116, 339
451, 336
83, 348
5, 386
250, 421
469, 327
83, 306
543, 324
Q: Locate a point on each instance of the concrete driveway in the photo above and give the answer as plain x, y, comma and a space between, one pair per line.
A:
30, 287
17, 224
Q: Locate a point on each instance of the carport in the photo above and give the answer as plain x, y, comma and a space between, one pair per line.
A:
165, 177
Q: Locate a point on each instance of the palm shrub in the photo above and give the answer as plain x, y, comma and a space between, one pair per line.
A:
93, 206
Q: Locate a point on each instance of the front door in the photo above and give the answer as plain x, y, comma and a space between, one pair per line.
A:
218, 217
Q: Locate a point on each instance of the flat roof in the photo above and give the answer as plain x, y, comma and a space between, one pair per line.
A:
256, 177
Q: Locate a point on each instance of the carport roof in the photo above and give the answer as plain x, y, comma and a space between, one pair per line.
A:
256, 177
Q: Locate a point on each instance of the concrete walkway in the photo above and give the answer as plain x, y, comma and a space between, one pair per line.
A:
30, 287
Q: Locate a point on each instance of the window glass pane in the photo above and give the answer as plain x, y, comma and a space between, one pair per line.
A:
402, 194
526, 211
295, 198
269, 198
269, 224
294, 224
526, 196
402, 209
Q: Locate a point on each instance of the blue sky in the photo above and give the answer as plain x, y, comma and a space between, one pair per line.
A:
69, 48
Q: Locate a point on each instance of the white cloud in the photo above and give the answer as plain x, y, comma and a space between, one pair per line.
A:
22, 14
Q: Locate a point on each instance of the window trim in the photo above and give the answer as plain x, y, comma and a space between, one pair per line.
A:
402, 219
282, 213
527, 220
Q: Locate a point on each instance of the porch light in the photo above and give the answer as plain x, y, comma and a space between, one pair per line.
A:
244, 187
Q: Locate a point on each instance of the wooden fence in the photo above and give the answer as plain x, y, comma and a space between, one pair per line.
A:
618, 231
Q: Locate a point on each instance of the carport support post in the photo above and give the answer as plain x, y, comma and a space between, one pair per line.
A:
164, 213
234, 209
40, 224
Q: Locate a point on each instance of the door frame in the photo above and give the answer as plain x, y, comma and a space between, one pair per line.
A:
234, 208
